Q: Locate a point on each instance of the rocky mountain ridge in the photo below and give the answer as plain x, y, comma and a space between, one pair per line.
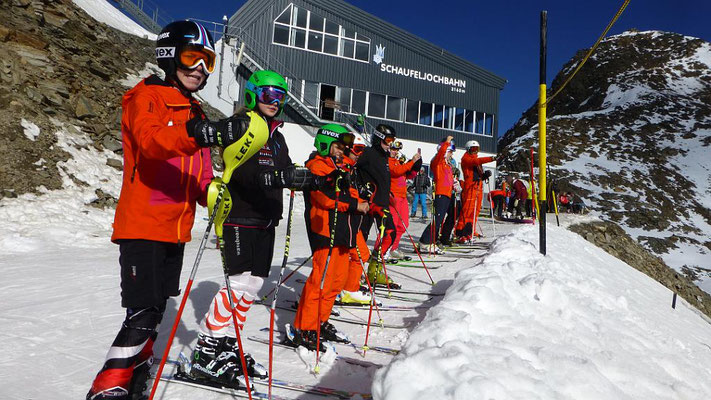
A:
631, 134
61, 70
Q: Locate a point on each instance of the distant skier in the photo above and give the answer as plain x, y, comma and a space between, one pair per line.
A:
444, 181
166, 171
421, 184
472, 196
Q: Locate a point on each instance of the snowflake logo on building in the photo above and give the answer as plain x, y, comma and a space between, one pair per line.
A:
379, 54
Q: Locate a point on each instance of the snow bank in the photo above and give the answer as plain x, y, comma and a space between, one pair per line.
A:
577, 324
104, 12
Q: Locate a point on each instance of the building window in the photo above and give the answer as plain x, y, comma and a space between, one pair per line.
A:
412, 110
479, 126
469, 121
294, 87
489, 125
343, 95
394, 110
426, 114
438, 115
449, 117
300, 28
358, 102
459, 119
376, 105
311, 94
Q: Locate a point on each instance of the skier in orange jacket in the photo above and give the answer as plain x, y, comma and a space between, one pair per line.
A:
474, 177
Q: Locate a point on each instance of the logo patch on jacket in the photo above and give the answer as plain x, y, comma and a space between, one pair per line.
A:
266, 156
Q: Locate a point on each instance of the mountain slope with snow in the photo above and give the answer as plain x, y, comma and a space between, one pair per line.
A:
631, 134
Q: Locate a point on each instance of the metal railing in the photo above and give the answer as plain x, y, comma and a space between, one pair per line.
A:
146, 13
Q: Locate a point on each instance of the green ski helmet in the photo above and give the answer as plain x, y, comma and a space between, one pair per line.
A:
329, 134
264, 79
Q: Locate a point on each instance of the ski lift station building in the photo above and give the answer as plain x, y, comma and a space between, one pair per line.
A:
341, 61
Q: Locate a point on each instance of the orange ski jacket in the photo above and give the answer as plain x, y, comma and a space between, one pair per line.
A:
442, 172
398, 174
472, 167
164, 171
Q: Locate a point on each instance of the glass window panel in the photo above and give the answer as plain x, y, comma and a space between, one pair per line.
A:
363, 38
285, 16
298, 38
394, 110
281, 34
469, 121
343, 96
348, 33
330, 44
438, 115
358, 102
315, 41
376, 105
299, 17
332, 27
347, 48
459, 119
489, 124
425, 113
448, 117
316, 22
411, 111
294, 87
479, 126
362, 51
311, 93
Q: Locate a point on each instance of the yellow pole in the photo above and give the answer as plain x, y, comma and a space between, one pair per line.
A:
542, 189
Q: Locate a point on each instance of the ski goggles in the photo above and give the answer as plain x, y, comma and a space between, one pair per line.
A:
358, 149
396, 145
389, 140
191, 56
347, 139
271, 95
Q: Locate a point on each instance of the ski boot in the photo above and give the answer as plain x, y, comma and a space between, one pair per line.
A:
376, 275
465, 240
254, 369
399, 255
210, 363
357, 297
429, 249
329, 333
389, 259
139, 381
297, 337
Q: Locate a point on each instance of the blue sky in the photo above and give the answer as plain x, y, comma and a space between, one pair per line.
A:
502, 36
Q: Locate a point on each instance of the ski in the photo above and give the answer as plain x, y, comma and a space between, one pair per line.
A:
384, 290
381, 307
348, 360
338, 317
380, 349
514, 220
184, 377
419, 265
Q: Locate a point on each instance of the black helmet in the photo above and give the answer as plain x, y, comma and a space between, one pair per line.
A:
180, 36
382, 132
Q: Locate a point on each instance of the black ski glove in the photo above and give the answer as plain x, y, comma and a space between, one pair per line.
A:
486, 176
292, 177
221, 133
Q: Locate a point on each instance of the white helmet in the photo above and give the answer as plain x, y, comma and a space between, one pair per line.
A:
471, 143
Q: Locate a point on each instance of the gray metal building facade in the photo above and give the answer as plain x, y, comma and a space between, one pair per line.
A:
341, 61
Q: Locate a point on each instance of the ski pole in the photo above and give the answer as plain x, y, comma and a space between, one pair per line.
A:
491, 207
323, 276
186, 292
382, 255
373, 302
264, 298
276, 291
413, 243
555, 204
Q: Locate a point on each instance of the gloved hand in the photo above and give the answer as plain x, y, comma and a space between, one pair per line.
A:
220, 133
292, 177
376, 210
487, 175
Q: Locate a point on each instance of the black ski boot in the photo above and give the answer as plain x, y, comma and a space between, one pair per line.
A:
254, 369
210, 363
297, 337
331, 334
139, 381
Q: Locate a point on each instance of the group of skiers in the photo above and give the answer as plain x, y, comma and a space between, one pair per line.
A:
348, 186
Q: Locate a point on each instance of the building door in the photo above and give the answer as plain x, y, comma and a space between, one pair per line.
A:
327, 103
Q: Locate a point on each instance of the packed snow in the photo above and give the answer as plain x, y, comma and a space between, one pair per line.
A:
103, 11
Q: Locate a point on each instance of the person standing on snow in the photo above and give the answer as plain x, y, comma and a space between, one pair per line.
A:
421, 183
518, 196
444, 181
399, 171
373, 168
248, 234
329, 209
472, 196
167, 169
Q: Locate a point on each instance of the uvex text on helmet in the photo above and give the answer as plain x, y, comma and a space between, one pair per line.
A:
175, 37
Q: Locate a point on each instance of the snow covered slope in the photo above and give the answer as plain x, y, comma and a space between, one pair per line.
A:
631, 133
103, 11
576, 324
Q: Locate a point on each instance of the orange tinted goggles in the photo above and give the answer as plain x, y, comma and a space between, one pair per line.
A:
192, 56
389, 139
